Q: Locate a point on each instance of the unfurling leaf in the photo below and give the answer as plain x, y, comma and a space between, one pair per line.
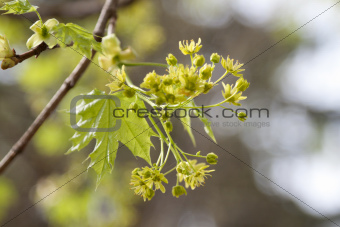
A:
186, 122
82, 39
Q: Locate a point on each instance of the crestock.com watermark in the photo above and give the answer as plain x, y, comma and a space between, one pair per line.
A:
195, 112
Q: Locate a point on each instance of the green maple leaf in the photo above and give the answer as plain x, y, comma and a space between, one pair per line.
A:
18, 7
82, 39
207, 125
206, 122
134, 131
186, 122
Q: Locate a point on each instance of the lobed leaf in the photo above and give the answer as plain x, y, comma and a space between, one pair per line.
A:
134, 132
18, 7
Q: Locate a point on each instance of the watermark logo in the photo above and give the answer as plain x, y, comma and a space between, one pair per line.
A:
194, 112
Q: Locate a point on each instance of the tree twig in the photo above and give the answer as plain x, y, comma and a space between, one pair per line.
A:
108, 10
36, 51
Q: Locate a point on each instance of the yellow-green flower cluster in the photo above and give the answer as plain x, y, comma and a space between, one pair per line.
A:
146, 181
192, 174
181, 82
233, 94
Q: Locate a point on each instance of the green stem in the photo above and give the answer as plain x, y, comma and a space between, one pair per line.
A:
160, 158
193, 155
170, 170
183, 153
160, 133
166, 157
221, 78
36, 11
144, 64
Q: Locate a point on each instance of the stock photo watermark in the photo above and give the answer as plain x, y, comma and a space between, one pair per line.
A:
192, 112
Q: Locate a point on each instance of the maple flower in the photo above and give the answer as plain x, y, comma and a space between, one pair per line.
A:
156, 179
230, 66
191, 48
113, 53
42, 34
140, 188
232, 95
193, 174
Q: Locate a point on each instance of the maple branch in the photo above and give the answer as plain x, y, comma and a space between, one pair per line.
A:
108, 10
36, 51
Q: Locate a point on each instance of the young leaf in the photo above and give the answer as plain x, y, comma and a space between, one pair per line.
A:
134, 131
83, 40
206, 122
207, 127
18, 7
186, 122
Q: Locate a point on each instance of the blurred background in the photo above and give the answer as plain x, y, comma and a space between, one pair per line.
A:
280, 170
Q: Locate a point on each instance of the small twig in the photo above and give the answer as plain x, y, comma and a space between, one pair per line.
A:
106, 13
36, 51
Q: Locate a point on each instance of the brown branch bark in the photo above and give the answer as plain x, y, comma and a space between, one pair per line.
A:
107, 12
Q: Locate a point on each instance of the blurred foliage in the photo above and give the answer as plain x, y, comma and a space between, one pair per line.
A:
139, 26
8, 195
78, 205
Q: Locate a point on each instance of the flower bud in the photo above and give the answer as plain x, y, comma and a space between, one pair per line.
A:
170, 98
178, 190
206, 72
168, 126
168, 81
199, 60
5, 49
111, 45
135, 171
171, 60
212, 158
129, 92
160, 101
149, 193
7, 63
133, 106
215, 58
242, 84
242, 116
207, 87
